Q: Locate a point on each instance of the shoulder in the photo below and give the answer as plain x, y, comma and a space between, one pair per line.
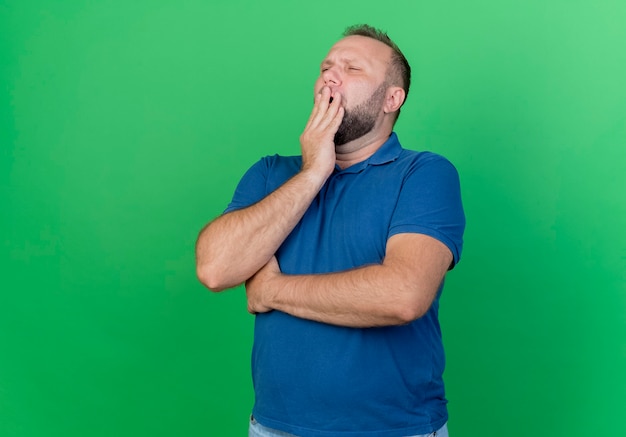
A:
403, 157
426, 164
272, 171
282, 162
423, 157
263, 177
276, 165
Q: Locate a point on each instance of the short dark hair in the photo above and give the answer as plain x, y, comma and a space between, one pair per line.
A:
400, 71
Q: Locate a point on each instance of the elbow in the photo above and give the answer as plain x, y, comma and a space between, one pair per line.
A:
404, 316
211, 279
208, 269
410, 310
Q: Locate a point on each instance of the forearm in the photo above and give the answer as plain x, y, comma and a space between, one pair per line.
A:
396, 292
358, 298
236, 245
375, 295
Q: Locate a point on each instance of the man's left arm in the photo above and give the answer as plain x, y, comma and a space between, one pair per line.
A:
396, 292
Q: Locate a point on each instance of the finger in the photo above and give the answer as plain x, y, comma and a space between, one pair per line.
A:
274, 261
329, 118
336, 121
321, 105
314, 111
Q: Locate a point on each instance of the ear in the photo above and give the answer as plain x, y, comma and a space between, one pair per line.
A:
394, 99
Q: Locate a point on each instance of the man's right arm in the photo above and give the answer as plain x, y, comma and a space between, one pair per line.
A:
236, 245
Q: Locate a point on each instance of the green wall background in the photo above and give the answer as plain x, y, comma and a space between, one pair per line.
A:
124, 127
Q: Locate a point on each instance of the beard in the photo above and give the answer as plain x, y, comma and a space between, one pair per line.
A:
361, 119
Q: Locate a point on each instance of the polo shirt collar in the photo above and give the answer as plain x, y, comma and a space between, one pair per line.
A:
388, 152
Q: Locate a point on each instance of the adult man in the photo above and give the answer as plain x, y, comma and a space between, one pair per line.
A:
344, 251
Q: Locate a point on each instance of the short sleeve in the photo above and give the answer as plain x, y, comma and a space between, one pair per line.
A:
430, 203
251, 188
262, 178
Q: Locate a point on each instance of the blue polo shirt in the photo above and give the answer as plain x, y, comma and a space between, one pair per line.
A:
318, 380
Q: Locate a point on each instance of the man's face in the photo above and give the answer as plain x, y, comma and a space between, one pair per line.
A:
356, 68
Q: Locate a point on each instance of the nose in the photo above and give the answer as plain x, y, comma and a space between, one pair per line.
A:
331, 77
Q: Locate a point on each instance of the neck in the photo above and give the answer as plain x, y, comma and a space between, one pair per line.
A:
360, 149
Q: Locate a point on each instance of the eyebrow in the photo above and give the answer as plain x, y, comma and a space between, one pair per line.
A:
328, 62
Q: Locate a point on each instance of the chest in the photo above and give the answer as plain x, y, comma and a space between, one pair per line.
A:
346, 225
